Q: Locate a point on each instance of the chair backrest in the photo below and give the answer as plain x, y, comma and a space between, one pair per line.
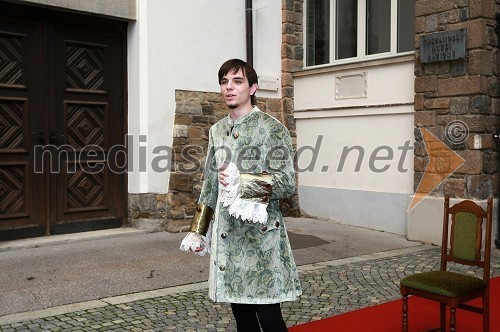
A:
465, 226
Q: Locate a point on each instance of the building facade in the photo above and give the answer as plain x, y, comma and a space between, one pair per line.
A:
383, 128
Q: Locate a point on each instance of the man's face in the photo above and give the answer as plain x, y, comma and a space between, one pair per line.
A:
236, 90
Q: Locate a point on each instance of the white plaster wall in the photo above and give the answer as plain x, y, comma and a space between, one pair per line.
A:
181, 45
380, 126
388, 169
386, 84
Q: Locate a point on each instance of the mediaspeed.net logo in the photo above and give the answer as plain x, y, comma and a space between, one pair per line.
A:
443, 161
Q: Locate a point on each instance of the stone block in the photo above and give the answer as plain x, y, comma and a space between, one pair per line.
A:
194, 132
144, 203
425, 118
480, 186
482, 8
419, 149
183, 119
476, 33
148, 225
419, 24
179, 199
437, 68
291, 39
479, 141
427, 7
273, 104
491, 162
298, 53
431, 23
178, 226
180, 131
418, 101
185, 96
459, 105
181, 182
458, 68
291, 65
480, 62
462, 85
437, 103
207, 109
455, 187
464, 14
481, 104
449, 17
473, 164
175, 213
420, 163
426, 83
477, 123
188, 108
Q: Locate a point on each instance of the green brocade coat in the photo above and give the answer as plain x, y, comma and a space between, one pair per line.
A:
251, 262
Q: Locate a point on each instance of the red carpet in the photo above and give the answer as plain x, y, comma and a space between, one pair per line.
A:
423, 316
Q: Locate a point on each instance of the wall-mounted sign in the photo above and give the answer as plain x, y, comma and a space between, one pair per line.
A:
443, 46
350, 86
268, 83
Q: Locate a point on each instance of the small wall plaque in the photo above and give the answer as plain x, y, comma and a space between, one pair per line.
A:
268, 83
443, 46
350, 86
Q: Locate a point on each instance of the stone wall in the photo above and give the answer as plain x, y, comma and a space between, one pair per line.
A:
292, 55
195, 113
464, 90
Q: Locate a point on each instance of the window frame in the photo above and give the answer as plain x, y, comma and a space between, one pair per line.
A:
361, 37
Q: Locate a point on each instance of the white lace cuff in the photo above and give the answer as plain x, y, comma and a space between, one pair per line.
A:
245, 209
195, 243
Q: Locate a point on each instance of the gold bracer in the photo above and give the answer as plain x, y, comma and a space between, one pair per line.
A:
201, 219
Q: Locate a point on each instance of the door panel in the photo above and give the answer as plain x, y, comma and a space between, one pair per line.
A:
88, 103
21, 193
62, 83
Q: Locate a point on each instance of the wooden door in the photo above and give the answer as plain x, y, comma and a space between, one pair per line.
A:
63, 124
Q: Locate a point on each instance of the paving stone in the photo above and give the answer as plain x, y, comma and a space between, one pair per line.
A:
330, 290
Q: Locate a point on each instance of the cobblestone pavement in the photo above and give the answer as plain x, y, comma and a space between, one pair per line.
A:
330, 288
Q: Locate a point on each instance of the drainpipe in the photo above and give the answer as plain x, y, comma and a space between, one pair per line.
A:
249, 30
496, 137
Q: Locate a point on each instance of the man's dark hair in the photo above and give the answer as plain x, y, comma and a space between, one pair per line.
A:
233, 66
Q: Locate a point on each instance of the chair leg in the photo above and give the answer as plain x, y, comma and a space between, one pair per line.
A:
442, 316
486, 312
405, 313
453, 320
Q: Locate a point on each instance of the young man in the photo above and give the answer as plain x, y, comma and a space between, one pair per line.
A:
248, 169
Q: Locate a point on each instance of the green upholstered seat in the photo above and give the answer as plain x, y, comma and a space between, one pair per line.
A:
444, 283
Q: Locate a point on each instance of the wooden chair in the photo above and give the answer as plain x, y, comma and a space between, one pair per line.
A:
466, 244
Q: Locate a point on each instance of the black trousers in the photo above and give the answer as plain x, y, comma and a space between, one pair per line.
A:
253, 317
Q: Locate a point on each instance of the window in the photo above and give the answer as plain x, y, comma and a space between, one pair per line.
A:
339, 31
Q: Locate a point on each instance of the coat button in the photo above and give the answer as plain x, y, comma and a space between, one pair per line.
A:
223, 235
222, 267
264, 228
265, 198
277, 224
235, 134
